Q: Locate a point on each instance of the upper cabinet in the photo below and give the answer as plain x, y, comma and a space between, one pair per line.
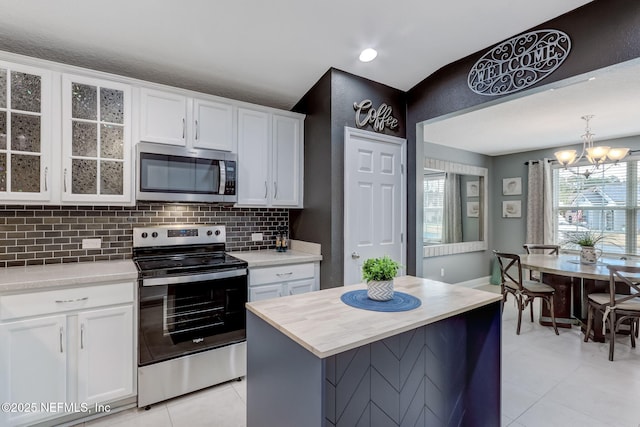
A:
96, 141
269, 159
25, 133
171, 118
67, 136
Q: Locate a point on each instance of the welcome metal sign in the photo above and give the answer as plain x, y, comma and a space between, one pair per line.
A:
519, 62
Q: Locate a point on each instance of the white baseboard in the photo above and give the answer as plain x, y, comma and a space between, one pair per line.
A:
474, 283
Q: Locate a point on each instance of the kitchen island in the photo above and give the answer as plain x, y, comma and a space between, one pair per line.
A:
314, 361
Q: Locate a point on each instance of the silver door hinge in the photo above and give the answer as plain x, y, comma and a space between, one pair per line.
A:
401, 237
401, 168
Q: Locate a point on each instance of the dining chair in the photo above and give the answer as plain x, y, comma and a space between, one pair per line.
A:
617, 308
524, 291
534, 248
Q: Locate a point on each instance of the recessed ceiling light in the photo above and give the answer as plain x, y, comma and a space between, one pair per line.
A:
368, 55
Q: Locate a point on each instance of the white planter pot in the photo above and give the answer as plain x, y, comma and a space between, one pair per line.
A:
380, 290
589, 255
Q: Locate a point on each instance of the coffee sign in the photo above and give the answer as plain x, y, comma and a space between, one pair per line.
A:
379, 118
519, 62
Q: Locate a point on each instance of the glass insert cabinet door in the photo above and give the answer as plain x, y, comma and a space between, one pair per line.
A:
96, 140
25, 137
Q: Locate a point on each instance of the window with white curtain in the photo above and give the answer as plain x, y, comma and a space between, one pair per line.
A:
605, 201
433, 207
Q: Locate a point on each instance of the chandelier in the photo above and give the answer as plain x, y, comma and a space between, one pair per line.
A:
596, 155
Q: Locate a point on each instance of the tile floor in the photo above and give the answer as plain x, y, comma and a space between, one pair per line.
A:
548, 380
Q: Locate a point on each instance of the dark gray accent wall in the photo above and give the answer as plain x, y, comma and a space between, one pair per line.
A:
329, 108
603, 33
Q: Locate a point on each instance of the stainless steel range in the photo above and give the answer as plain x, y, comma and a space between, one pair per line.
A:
191, 332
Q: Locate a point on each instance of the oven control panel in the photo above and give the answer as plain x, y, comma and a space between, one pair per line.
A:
178, 235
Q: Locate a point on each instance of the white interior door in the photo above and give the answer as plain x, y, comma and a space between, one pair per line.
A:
374, 200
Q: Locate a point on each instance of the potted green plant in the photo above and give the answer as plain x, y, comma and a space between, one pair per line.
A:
379, 274
587, 240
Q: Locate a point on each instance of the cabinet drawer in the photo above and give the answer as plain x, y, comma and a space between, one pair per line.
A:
282, 273
61, 300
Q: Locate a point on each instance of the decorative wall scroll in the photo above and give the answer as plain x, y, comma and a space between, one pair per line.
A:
379, 118
519, 62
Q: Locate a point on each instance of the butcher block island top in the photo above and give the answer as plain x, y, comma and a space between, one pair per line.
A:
324, 325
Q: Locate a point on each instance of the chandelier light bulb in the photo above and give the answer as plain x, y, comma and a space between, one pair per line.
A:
596, 155
617, 154
565, 157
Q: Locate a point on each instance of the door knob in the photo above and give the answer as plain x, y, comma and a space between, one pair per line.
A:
355, 255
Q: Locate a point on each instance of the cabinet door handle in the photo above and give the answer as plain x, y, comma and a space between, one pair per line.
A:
82, 336
46, 177
275, 193
61, 332
284, 274
183, 127
197, 130
266, 189
64, 301
64, 180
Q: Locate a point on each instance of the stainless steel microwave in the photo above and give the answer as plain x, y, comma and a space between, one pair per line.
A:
179, 174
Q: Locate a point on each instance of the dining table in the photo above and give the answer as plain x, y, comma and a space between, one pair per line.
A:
573, 281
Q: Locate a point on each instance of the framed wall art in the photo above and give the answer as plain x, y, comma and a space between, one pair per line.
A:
512, 209
473, 209
473, 189
512, 186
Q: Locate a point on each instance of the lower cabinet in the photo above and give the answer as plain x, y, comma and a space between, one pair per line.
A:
74, 356
105, 351
283, 280
33, 367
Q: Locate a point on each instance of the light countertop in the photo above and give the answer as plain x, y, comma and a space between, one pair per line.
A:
321, 323
40, 277
268, 258
299, 252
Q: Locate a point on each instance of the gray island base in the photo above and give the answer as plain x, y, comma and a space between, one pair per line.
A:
313, 361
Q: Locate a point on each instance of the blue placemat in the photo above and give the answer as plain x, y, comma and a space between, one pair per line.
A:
400, 301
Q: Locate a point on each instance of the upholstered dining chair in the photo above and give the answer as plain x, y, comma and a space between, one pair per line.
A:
524, 291
534, 248
617, 308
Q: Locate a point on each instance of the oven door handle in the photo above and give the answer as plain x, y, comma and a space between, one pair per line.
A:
174, 280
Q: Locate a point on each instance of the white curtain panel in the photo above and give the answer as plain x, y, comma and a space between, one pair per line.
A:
540, 203
452, 211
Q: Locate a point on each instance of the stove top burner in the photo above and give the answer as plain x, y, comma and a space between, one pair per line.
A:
212, 261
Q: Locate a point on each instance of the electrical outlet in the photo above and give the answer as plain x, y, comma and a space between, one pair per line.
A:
256, 237
91, 243
442, 272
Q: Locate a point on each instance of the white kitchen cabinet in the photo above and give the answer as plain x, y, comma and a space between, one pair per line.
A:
171, 118
33, 366
269, 159
73, 345
253, 158
104, 357
301, 286
25, 133
283, 280
96, 141
286, 161
163, 117
258, 293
